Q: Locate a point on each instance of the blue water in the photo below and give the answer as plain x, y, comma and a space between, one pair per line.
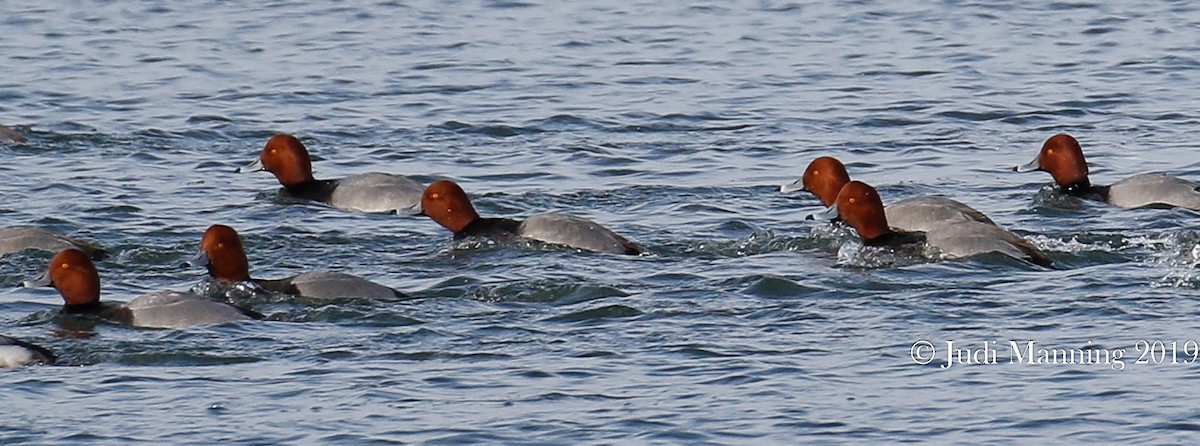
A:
672, 124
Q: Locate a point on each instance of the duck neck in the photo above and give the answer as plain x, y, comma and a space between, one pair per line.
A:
870, 232
90, 307
489, 227
1085, 190
895, 238
290, 178
314, 190
1078, 185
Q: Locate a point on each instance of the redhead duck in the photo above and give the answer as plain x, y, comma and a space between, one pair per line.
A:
19, 238
447, 204
222, 253
1062, 157
287, 158
75, 277
825, 177
859, 205
18, 353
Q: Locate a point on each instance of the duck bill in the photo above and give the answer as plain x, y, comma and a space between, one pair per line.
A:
40, 281
829, 214
256, 166
1030, 167
789, 188
200, 260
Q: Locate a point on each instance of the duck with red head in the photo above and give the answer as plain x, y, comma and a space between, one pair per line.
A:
74, 275
222, 254
17, 353
825, 177
287, 158
859, 205
448, 205
1062, 157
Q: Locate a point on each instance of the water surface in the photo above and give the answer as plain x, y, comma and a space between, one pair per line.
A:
674, 125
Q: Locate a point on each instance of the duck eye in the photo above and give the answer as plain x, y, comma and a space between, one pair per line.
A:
435, 196
853, 200
273, 151
66, 266
221, 245
816, 172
